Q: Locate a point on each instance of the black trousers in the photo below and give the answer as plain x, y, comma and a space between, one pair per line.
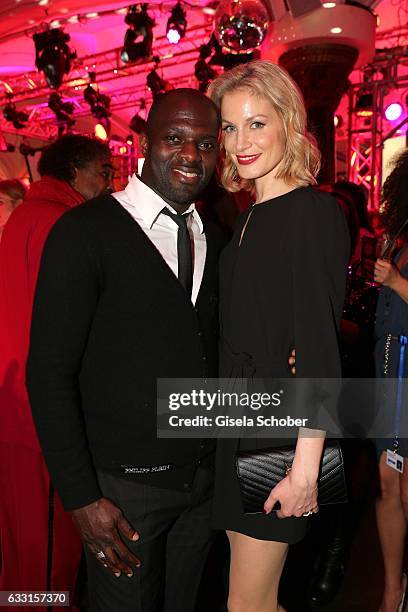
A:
175, 535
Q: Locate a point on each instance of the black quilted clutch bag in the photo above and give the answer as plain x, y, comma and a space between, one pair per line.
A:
259, 471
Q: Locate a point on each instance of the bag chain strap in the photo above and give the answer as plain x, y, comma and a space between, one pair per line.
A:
387, 349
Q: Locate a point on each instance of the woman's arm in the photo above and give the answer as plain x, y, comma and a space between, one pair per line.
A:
386, 273
297, 493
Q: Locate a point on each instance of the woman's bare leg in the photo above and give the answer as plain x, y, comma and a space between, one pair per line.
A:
392, 528
256, 568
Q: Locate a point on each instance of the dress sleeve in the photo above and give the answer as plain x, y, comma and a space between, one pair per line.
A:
321, 253
65, 302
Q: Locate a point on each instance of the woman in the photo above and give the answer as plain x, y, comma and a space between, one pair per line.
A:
282, 286
391, 324
11, 195
40, 546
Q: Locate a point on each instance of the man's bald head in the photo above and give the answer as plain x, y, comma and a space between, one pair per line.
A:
165, 101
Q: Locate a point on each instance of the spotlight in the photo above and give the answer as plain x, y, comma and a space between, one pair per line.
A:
52, 55
99, 103
100, 132
228, 60
364, 105
156, 84
141, 25
137, 123
16, 117
176, 24
393, 111
203, 72
63, 112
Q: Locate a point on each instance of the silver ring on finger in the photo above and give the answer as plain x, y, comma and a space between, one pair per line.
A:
100, 555
307, 513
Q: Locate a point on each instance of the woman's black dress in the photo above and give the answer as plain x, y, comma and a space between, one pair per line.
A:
281, 288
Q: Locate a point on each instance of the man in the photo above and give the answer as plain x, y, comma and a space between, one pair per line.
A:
120, 303
40, 549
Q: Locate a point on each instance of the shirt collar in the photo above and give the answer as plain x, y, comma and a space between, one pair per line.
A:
149, 204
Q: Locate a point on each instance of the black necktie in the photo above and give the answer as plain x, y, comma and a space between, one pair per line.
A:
185, 260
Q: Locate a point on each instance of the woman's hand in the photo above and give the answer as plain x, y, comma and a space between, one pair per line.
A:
386, 273
297, 495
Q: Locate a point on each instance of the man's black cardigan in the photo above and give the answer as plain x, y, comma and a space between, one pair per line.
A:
109, 318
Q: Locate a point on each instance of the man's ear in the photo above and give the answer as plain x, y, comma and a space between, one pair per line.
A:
74, 175
143, 141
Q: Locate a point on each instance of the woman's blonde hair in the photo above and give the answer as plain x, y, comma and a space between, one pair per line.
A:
301, 158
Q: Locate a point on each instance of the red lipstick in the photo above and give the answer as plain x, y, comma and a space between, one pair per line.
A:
244, 160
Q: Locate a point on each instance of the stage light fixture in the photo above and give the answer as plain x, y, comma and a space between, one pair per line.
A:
16, 117
52, 55
393, 111
176, 24
137, 123
156, 84
63, 112
203, 72
364, 105
225, 59
99, 103
140, 25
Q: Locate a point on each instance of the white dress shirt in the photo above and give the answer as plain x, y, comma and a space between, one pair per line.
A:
145, 206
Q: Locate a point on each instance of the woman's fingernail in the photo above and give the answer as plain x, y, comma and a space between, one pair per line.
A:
117, 574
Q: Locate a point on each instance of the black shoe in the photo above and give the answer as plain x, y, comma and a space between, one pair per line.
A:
328, 576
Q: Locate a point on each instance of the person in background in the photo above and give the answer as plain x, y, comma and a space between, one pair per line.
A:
40, 548
349, 209
12, 192
391, 332
276, 294
359, 196
365, 247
